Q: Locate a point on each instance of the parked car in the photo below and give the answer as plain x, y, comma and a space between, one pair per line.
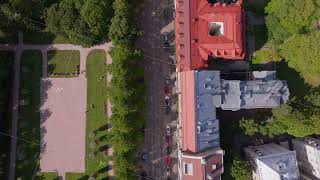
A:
168, 170
167, 104
168, 160
166, 43
168, 130
168, 150
144, 157
166, 90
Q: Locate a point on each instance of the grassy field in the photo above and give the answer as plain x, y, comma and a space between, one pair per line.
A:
29, 115
8, 37
6, 65
63, 63
43, 37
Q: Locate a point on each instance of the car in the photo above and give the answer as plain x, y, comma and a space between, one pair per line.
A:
168, 150
167, 139
168, 130
167, 100
168, 169
144, 157
166, 43
168, 160
166, 90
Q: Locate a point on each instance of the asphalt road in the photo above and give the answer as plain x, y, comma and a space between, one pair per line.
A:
155, 17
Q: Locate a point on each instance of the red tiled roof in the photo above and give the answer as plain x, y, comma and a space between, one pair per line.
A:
187, 111
193, 42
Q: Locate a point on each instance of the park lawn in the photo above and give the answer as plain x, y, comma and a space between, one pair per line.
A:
29, 115
47, 176
43, 37
8, 37
6, 72
96, 118
63, 62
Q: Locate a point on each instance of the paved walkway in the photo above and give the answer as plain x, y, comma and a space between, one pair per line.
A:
19, 48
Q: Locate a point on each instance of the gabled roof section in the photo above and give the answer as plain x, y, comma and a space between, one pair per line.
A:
207, 165
206, 30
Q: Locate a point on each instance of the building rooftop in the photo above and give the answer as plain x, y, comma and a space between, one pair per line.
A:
273, 161
208, 165
206, 30
203, 91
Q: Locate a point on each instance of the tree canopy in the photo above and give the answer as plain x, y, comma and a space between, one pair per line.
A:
298, 119
85, 22
294, 25
240, 170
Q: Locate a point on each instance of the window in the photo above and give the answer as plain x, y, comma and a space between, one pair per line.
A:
188, 169
216, 28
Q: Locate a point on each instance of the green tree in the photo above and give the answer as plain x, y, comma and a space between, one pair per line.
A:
240, 170
288, 17
122, 30
97, 14
249, 126
302, 53
82, 23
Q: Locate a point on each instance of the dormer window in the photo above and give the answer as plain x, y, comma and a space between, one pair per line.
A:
216, 28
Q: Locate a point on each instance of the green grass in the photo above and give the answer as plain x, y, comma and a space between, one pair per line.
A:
96, 118
6, 67
47, 176
262, 56
29, 115
43, 37
8, 37
63, 63
76, 176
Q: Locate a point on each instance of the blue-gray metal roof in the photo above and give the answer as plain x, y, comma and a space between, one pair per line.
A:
207, 97
211, 92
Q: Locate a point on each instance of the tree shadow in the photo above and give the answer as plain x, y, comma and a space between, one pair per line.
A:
297, 85
46, 84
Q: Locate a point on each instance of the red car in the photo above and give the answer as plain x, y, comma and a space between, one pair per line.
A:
167, 140
166, 90
168, 160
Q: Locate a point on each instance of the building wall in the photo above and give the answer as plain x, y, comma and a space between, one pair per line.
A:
308, 155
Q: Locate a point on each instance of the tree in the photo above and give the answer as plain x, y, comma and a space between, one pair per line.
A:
97, 14
122, 30
302, 53
249, 126
240, 170
289, 17
82, 23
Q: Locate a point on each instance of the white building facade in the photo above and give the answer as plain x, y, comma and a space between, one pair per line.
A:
308, 155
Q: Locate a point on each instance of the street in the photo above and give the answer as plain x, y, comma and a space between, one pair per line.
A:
156, 18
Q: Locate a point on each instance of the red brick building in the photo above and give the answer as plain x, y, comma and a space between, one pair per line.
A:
205, 30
